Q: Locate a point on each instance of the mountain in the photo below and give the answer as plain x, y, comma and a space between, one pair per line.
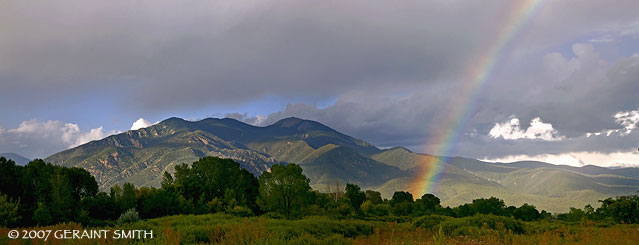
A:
331, 159
140, 156
554, 188
19, 160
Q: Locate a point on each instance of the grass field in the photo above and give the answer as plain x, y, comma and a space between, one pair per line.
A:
228, 229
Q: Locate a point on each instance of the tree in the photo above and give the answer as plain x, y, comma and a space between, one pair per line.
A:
61, 203
167, 182
464, 210
401, 196
491, 205
402, 203
284, 189
101, 206
428, 203
355, 196
8, 211
42, 215
212, 177
374, 196
622, 209
82, 183
127, 200
526, 213
10, 178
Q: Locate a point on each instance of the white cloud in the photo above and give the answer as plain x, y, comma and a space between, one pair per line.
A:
511, 130
628, 158
140, 123
629, 120
36, 138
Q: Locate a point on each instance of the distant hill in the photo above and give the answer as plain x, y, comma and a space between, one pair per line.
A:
330, 158
19, 160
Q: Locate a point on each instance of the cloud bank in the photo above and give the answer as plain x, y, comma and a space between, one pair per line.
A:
39, 139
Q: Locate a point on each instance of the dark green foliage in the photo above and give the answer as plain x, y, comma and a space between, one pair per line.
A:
401, 196
102, 207
42, 215
213, 177
466, 225
355, 196
284, 190
45, 194
431, 221
429, 203
8, 211
622, 209
526, 213
53, 191
82, 183
374, 196
491, 205
10, 178
158, 203
402, 209
126, 199
464, 210
168, 182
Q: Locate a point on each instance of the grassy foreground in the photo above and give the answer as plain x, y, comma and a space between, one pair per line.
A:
433, 229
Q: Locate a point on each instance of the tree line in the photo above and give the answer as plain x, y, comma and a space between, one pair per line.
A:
42, 194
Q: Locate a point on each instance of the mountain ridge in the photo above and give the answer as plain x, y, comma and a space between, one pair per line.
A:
329, 157
17, 158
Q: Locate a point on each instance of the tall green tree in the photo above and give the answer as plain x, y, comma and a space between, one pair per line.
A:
491, 205
10, 178
61, 204
526, 212
284, 189
401, 196
215, 178
168, 182
429, 203
374, 196
127, 200
82, 183
355, 196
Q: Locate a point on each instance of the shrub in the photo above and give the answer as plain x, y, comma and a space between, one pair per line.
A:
129, 216
241, 211
381, 209
430, 221
467, 225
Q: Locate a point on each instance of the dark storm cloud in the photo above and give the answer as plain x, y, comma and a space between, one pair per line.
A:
583, 99
229, 52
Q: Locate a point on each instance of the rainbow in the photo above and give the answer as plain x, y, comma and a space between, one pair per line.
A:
443, 142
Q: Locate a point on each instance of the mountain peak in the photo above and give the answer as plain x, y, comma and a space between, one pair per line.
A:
400, 148
288, 122
175, 122
173, 119
19, 160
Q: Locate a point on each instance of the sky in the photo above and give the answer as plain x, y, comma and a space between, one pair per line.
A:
564, 87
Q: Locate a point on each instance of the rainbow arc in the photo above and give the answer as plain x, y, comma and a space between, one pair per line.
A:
443, 142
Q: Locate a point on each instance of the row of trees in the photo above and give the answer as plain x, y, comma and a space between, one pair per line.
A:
42, 194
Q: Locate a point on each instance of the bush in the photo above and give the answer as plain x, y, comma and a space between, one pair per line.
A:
430, 221
129, 216
241, 211
467, 225
381, 209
